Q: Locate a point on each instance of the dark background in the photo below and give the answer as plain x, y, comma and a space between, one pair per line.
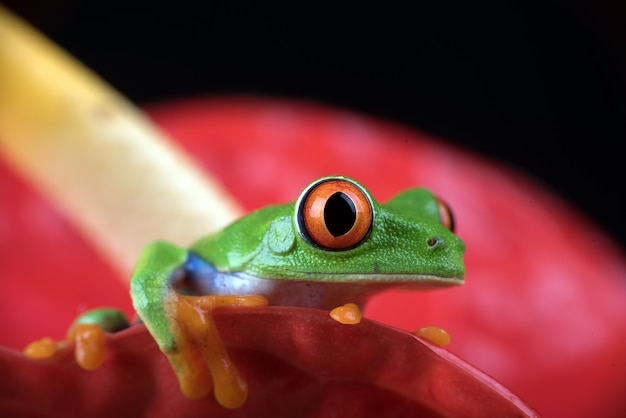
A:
539, 84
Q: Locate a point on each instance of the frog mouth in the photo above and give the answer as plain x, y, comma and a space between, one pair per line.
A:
411, 280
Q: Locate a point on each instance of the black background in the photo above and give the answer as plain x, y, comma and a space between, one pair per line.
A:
537, 84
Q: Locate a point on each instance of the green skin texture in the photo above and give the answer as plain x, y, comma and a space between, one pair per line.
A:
267, 244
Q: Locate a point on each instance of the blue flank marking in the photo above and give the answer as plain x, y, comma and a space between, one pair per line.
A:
199, 275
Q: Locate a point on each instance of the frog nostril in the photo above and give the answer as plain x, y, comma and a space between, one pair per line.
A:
434, 241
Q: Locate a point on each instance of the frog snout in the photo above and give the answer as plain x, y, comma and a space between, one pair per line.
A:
450, 243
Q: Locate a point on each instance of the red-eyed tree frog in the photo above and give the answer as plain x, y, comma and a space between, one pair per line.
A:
334, 246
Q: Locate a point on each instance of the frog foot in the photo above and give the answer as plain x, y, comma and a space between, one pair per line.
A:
200, 359
434, 334
88, 334
349, 314
43, 349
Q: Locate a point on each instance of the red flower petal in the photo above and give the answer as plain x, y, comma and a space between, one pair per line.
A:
296, 361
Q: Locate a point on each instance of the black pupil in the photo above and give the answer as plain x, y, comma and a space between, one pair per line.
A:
339, 214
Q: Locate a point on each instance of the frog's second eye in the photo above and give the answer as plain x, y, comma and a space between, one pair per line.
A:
335, 214
445, 215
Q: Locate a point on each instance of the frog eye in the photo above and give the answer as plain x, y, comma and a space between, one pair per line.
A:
335, 214
445, 215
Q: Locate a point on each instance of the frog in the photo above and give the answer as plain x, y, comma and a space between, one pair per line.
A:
333, 248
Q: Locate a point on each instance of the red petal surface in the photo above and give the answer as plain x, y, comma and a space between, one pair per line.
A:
298, 362
543, 309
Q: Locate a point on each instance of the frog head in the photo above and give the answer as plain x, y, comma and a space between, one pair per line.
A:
336, 232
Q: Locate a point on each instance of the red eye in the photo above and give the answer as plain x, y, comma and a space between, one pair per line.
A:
335, 214
445, 215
